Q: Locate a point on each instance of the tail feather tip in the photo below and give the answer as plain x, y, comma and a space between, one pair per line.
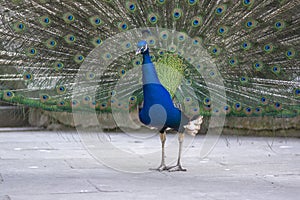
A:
194, 126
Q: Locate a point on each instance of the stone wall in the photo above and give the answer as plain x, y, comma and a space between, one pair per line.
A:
250, 126
262, 126
13, 116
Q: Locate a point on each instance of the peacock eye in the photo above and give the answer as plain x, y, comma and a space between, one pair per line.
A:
97, 21
132, 7
144, 48
278, 24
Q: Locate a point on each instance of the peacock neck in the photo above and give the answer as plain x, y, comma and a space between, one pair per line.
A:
148, 69
146, 57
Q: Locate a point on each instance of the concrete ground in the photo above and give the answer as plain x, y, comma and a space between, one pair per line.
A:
56, 166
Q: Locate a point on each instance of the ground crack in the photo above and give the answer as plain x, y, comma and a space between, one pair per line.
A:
102, 190
5, 197
1, 178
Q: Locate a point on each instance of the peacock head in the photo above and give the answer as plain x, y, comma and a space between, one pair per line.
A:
142, 47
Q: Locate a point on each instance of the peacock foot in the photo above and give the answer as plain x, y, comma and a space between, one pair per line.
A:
160, 168
176, 168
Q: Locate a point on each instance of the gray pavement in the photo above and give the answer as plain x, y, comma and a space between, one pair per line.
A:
56, 166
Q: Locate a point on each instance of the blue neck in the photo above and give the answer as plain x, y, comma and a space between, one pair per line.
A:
148, 69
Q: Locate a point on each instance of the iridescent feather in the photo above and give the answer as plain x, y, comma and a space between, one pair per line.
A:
254, 45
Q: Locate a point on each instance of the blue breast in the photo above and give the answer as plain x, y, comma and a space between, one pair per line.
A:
158, 109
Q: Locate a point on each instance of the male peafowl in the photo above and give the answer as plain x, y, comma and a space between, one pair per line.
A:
158, 109
223, 58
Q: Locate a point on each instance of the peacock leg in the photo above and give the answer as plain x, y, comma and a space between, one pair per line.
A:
178, 166
163, 163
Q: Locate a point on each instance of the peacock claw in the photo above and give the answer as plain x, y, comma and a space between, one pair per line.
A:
176, 168
160, 168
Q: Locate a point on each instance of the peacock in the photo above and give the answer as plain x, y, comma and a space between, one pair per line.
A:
158, 109
214, 58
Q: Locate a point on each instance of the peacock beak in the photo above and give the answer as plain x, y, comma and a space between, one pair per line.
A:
138, 51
